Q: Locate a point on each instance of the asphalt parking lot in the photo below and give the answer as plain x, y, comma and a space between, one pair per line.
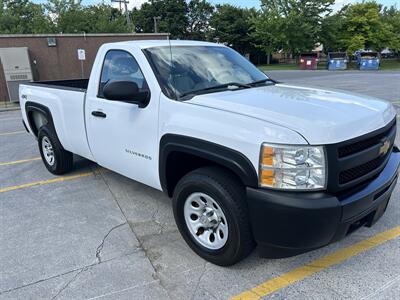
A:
94, 234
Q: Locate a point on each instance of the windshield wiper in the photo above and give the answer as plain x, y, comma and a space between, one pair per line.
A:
260, 81
216, 87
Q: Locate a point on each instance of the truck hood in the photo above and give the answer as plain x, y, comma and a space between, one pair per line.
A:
320, 116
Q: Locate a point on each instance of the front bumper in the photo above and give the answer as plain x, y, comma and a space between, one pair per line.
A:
290, 223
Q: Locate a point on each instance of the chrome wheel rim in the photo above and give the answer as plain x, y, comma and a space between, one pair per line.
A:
206, 221
48, 152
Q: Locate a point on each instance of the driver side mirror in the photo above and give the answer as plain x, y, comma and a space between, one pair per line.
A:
126, 91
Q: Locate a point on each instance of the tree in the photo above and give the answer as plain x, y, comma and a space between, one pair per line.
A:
94, 19
71, 17
172, 13
295, 24
232, 25
331, 32
57, 7
23, 16
266, 32
198, 14
363, 28
105, 18
391, 16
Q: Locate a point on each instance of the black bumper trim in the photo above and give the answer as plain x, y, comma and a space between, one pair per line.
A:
289, 223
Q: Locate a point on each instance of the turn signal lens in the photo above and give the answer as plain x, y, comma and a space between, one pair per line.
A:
267, 156
267, 177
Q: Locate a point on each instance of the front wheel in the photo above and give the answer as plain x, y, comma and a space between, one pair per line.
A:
211, 214
56, 159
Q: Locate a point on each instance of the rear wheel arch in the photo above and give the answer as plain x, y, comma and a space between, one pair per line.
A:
38, 115
180, 155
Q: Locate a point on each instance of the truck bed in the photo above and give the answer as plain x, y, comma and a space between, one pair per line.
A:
70, 84
65, 100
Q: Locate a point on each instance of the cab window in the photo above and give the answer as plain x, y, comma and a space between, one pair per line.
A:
120, 65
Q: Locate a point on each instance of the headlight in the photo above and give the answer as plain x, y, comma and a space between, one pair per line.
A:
292, 167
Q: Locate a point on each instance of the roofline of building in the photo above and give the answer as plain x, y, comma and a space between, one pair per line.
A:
81, 35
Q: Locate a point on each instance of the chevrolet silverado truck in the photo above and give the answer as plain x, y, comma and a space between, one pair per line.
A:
247, 161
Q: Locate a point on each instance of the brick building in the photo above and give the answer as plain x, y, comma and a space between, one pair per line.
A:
54, 56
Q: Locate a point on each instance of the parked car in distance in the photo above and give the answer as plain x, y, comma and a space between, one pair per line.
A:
368, 60
337, 61
309, 61
247, 161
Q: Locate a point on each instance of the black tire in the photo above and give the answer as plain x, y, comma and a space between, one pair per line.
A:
230, 195
63, 159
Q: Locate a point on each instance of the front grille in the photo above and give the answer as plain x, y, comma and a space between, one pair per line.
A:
359, 171
356, 162
363, 144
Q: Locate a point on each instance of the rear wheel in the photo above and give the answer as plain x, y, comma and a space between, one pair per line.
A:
211, 214
56, 159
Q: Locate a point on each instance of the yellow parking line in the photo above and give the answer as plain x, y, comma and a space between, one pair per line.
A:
9, 163
11, 133
317, 265
43, 182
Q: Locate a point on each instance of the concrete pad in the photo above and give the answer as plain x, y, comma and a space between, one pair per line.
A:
18, 146
33, 171
51, 230
357, 278
11, 125
129, 276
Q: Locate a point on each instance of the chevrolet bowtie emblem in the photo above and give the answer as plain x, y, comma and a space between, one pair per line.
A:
384, 148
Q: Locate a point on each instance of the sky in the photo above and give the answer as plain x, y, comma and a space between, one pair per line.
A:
243, 3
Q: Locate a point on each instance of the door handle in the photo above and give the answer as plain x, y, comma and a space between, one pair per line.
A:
99, 114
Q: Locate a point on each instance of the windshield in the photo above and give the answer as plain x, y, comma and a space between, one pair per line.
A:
181, 70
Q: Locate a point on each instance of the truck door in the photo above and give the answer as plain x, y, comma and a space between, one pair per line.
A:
122, 136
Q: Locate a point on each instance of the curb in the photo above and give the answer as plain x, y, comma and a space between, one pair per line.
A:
3, 109
10, 107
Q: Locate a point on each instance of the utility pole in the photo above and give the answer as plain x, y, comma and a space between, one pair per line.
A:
155, 23
125, 2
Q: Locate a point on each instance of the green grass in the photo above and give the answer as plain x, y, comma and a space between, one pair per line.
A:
385, 65
278, 67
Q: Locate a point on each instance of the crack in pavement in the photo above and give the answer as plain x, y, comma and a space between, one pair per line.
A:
70, 281
199, 280
123, 290
38, 281
100, 247
98, 260
62, 274
141, 246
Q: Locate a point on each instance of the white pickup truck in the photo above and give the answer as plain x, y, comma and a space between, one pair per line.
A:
248, 161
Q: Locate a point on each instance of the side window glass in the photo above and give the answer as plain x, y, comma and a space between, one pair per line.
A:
120, 65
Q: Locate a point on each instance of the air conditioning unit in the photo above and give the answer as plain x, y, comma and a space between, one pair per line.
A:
17, 69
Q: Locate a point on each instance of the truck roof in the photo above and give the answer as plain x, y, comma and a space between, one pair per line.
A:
160, 43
